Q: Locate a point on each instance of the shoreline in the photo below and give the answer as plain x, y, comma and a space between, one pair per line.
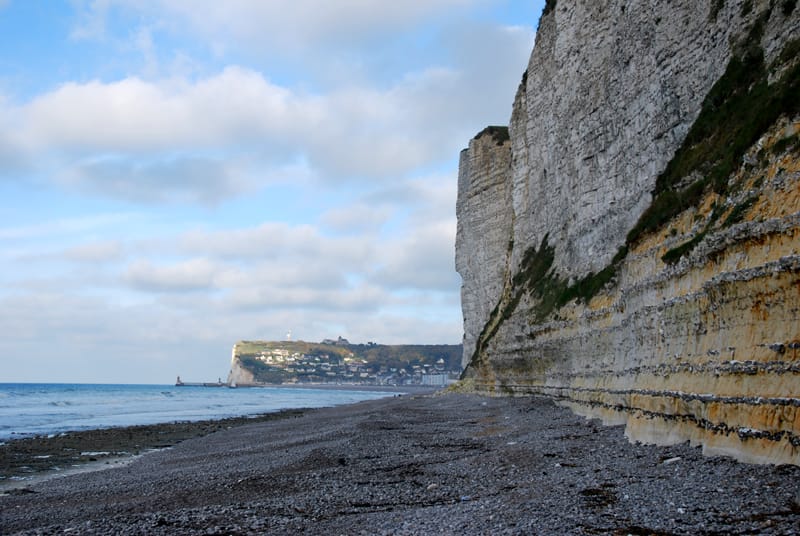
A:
451, 464
27, 460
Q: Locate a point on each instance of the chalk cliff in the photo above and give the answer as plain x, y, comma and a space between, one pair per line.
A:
238, 373
631, 244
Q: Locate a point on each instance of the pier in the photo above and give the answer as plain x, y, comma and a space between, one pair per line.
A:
218, 383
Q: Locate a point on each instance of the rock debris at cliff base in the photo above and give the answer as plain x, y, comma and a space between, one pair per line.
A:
453, 464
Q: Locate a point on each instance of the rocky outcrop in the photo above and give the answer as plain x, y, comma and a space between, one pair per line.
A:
633, 249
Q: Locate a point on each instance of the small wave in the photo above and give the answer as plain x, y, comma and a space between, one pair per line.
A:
60, 403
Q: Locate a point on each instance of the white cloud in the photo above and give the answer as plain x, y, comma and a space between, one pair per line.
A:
124, 138
291, 25
183, 178
134, 115
313, 273
211, 138
190, 275
360, 299
388, 328
64, 227
95, 252
357, 218
421, 259
276, 240
431, 197
353, 131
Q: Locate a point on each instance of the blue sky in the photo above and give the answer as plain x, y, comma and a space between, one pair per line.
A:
181, 174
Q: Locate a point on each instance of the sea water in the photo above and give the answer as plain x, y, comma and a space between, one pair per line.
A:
28, 409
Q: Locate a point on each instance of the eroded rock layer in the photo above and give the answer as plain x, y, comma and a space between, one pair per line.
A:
633, 249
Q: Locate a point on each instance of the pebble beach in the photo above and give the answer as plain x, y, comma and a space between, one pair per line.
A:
434, 464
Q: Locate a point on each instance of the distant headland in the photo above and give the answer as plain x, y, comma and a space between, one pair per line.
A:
339, 362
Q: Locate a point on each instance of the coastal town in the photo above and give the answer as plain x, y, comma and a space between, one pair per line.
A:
339, 362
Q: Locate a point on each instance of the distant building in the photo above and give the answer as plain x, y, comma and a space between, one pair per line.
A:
435, 379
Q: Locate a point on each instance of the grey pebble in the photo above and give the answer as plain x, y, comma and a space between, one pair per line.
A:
454, 464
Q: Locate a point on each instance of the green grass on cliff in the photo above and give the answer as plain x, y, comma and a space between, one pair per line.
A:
539, 280
553, 292
738, 110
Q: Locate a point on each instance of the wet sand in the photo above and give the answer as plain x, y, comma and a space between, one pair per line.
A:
451, 464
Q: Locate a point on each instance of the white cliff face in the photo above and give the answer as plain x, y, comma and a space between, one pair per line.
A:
612, 89
702, 349
484, 229
238, 375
